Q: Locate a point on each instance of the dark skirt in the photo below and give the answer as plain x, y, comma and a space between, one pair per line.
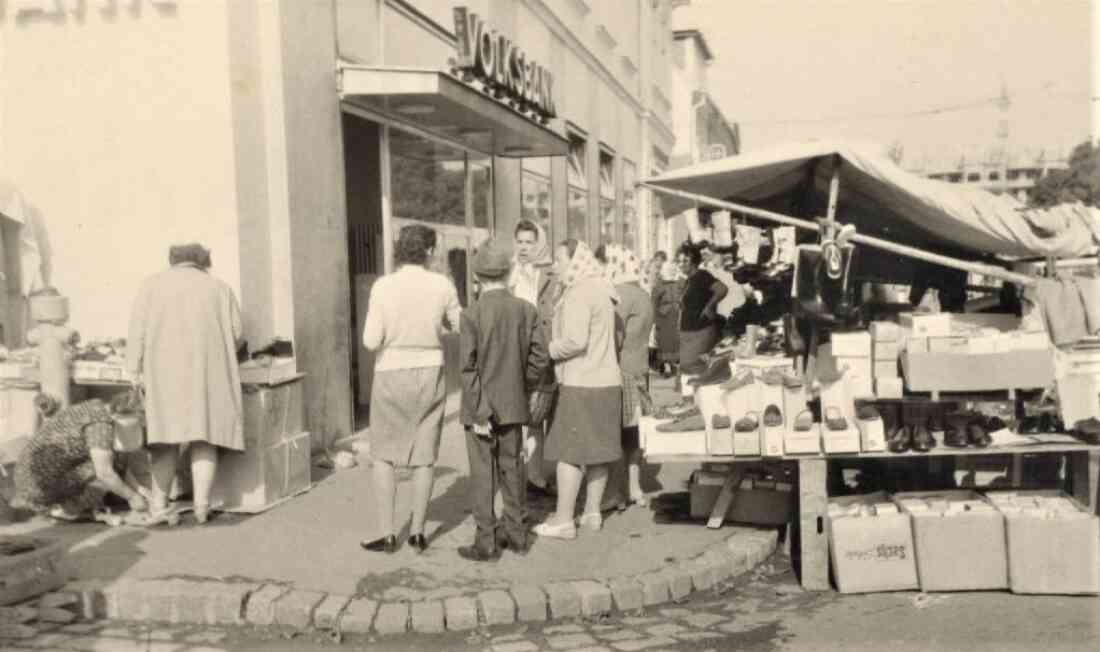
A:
695, 343
586, 426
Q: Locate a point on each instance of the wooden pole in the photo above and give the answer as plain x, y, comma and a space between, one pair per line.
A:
878, 243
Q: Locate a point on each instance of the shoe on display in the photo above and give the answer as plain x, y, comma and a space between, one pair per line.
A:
742, 378
993, 424
955, 434
868, 413
478, 554
1030, 425
900, 439
690, 423
720, 422
773, 376
834, 420
804, 421
748, 423
976, 433
1088, 430
714, 375
773, 418
922, 439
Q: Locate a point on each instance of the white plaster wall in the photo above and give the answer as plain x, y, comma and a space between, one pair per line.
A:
117, 130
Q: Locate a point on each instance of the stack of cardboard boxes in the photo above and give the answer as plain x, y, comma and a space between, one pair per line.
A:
885, 344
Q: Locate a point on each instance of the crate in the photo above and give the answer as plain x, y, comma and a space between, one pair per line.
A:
272, 413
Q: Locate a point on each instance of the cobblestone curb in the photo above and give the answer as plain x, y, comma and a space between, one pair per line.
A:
228, 603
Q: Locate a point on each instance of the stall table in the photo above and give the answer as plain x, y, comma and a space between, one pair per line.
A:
1083, 472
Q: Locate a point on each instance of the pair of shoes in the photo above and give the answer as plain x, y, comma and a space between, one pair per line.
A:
387, 545
477, 553
748, 423
692, 423
566, 530
907, 437
592, 521
418, 543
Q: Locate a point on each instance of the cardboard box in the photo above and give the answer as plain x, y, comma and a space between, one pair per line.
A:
801, 443
947, 345
872, 435
855, 344
886, 369
755, 505
889, 388
926, 325
794, 404
257, 478
840, 441
916, 345
959, 551
885, 351
272, 413
89, 370
871, 553
981, 344
771, 440
963, 372
654, 442
859, 372
884, 331
1020, 341
760, 364
1078, 398
746, 443
1051, 555
709, 398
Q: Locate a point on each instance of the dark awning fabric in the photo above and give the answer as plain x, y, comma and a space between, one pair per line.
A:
885, 201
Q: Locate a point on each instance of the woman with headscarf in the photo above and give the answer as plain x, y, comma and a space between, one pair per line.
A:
584, 430
635, 312
699, 322
184, 332
666, 311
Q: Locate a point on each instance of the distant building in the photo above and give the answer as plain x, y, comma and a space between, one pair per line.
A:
1016, 177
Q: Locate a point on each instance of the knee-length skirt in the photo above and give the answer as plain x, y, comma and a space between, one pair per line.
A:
586, 426
406, 415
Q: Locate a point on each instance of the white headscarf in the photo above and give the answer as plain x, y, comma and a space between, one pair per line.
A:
622, 265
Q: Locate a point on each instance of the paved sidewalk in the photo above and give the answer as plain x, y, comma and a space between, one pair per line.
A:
306, 550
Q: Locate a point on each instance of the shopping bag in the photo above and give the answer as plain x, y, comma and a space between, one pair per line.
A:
128, 414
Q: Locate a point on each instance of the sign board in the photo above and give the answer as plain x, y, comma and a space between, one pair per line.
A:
497, 62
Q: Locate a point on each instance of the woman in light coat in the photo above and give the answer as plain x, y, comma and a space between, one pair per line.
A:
584, 435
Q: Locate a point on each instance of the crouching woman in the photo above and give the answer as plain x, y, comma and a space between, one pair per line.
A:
75, 458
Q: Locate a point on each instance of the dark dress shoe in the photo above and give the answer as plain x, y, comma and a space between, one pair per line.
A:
922, 438
955, 435
1030, 425
477, 553
418, 542
900, 440
977, 434
387, 545
505, 542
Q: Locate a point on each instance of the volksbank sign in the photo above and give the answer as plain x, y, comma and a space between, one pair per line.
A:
502, 65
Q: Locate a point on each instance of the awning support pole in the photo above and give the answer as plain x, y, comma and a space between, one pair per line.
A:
904, 250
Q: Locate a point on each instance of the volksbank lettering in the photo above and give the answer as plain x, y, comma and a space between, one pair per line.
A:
493, 58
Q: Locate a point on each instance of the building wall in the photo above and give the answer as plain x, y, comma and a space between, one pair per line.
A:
117, 129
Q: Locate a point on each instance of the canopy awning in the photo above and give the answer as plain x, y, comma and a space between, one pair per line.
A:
885, 201
434, 101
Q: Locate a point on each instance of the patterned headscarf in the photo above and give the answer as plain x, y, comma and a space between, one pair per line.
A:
622, 266
582, 265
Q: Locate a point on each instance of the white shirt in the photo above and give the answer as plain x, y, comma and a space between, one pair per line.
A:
405, 318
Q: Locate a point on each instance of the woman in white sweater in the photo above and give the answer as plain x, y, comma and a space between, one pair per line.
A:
407, 314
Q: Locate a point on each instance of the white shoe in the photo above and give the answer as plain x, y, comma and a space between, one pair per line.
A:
593, 521
562, 531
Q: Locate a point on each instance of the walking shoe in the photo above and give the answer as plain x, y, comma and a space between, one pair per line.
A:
835, 420
804, 421
477, 553
748, 423
566, 530
387, 545
593, 521
773, 418
720, 422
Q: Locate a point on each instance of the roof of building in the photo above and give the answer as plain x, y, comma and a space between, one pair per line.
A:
680, 34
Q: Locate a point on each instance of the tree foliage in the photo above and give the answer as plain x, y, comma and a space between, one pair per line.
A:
1079, 183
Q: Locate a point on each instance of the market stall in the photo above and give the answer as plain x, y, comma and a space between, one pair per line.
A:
864, 380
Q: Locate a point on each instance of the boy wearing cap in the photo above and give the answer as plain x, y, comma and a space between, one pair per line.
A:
504, 358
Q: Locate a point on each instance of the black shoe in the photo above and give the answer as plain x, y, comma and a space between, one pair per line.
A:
955, 435
977, 435
900, 440
520, 548
477, 553
713, 375
922, 439
387, 545
418, 542
1030, 425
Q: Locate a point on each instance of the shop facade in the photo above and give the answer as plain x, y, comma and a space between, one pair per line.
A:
295, 139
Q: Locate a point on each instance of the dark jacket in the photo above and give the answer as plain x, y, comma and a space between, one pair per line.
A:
504, 358
549, 289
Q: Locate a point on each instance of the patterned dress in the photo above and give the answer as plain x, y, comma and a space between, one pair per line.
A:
56, 467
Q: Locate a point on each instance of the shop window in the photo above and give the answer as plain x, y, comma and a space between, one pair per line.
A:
630, 207
536, 197
608, 214
441, 186
577, 214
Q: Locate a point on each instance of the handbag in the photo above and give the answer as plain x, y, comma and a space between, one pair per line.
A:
541, 404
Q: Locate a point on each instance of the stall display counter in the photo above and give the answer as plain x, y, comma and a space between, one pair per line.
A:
1083, 473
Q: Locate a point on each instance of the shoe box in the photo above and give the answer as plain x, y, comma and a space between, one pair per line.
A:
1053, 542
685, 442
257, 478
711, 404
760, 499
741, 402
964, 371
1077, 397
871, 545
859, 370
272, 412
959, 538
889, 388
872, 434
836, 400
926, 325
